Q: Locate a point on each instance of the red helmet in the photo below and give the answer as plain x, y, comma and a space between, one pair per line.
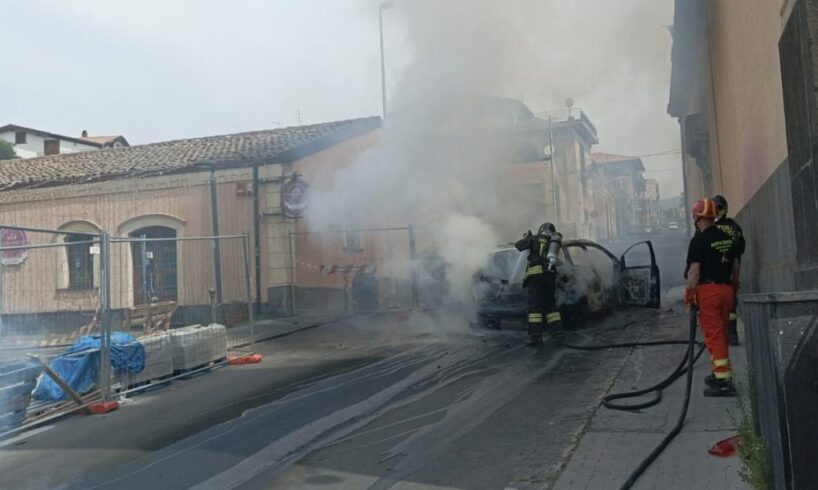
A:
704, 208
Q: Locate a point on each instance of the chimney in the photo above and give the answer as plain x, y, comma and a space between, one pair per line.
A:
84, 133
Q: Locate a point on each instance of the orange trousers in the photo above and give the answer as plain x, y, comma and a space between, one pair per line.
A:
716, 301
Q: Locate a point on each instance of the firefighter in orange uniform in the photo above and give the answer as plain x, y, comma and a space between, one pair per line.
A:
713, 269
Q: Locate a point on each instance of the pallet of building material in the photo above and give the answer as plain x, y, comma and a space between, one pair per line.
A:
197, 346
158, 360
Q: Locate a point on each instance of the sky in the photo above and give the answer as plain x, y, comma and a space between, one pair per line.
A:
156, 70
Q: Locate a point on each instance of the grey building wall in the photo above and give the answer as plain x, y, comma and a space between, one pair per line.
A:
769, 264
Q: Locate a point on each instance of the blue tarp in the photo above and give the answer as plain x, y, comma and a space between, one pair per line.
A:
80, 370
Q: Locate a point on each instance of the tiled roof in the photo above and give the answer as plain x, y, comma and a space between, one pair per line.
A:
269, 146
102, 140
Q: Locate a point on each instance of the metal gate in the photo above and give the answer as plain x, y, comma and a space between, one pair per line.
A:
354, 270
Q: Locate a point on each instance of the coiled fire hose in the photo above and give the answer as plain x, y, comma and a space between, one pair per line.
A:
684, 367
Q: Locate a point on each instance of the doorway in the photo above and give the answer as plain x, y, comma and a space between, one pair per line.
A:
154, 265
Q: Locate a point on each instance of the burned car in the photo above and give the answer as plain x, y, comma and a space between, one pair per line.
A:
590, 279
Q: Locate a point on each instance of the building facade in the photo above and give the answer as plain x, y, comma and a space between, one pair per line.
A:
653, 211
160, 191
30, 143
625, 180
731, 63
743, 88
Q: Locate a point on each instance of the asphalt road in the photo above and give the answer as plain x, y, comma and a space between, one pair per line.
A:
383, 402
670, 248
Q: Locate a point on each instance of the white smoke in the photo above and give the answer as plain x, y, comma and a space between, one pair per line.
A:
445, 144
464, 242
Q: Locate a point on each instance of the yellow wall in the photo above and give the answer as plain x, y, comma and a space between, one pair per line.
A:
748, 137
118, 207
315, 250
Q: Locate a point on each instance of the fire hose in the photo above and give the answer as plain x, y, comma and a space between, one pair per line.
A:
684, 367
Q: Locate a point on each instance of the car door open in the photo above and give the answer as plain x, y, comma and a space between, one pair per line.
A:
639, 279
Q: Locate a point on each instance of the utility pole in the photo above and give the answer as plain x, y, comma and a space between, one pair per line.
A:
383, 6
214, 216
553, 173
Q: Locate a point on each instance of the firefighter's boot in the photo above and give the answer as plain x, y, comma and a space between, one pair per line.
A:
720, 387
534, 340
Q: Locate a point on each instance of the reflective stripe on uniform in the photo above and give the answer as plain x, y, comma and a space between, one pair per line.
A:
721, 369
534, 269
535, 318
733, 317
553, 317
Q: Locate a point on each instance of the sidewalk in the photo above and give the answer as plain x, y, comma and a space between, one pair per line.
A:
271, 328
614, 442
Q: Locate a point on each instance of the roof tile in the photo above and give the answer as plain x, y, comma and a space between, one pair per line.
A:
179, 155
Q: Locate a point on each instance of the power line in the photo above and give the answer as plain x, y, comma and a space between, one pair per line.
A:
679, 169
661, 153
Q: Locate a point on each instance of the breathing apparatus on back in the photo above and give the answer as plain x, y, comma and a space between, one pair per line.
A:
549, 231
554, 244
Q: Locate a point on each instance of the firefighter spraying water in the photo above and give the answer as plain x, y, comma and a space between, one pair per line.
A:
540, 281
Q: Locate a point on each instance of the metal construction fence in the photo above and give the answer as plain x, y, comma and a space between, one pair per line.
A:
50, 283
354, 270
124, 312
782, 352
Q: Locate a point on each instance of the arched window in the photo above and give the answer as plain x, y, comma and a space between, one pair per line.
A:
80, 261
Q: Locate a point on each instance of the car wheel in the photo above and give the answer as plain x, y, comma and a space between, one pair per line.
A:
488, 322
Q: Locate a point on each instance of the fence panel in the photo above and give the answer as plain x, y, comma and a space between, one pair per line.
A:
359, 270
782, 348
50, 284
179, 282
50, 289
184, 302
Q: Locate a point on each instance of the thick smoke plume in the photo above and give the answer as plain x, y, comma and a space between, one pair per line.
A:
448, 138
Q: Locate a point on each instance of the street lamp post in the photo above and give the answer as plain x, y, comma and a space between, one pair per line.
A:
383, 6
214, 214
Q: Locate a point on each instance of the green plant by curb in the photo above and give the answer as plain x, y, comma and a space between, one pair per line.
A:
755, 463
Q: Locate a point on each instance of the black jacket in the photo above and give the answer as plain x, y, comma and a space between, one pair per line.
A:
729, 226
537, 246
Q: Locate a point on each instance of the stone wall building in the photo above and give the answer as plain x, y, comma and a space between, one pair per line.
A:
162, 190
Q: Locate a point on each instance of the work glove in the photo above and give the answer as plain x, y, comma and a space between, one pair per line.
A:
528, 234
690, 297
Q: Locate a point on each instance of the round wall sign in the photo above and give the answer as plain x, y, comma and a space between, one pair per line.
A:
295, 195
11, 237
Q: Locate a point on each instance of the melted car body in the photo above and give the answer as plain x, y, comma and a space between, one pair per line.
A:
590, 279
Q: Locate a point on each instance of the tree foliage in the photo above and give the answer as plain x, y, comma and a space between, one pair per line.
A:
7, 151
